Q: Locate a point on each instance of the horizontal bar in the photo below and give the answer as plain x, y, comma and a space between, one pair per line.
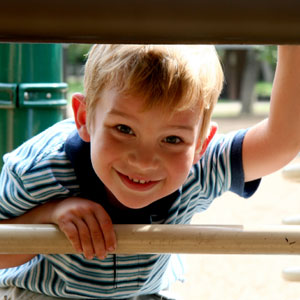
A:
205, 239
151, 21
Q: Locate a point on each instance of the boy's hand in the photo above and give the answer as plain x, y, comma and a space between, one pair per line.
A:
87, 225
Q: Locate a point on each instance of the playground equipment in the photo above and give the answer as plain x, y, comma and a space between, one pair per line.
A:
176, 21
212, 239
155, 21
32, 94
291, 172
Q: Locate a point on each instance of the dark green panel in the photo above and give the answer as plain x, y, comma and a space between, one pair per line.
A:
32, 94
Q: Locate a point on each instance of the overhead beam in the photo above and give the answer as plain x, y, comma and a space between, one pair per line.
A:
205, 239
151, 21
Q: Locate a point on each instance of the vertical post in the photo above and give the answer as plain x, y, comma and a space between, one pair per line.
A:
32, 94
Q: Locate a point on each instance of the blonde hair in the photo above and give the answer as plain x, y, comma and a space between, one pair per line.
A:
173, 77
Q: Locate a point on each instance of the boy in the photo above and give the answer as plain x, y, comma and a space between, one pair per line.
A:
143, 152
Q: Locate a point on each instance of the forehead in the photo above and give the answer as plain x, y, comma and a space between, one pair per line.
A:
111, 101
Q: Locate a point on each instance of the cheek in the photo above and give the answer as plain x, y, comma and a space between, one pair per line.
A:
179, 165
105, 150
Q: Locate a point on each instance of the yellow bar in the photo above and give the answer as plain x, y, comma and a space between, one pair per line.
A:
208, 239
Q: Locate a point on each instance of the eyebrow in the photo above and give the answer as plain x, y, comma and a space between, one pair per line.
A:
126, 115
122, 114
181, 127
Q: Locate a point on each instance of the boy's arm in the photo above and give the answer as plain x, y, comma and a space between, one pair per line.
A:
32, 216
271, 144
13, 260
84, 222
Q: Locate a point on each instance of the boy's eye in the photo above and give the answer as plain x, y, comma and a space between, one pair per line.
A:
173, 139
124, 129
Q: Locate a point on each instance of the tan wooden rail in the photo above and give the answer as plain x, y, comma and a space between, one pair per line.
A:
209, 239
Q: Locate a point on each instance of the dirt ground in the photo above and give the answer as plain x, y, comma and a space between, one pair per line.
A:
244, 277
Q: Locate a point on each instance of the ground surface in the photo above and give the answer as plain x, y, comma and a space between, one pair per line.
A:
244, 277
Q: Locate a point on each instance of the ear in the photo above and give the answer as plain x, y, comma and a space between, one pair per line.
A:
79, 109
201, 151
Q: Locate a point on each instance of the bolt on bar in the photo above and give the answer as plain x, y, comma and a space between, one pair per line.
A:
151, 21
204, 239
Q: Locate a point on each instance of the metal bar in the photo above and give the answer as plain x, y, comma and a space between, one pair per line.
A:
152, 21
205, 239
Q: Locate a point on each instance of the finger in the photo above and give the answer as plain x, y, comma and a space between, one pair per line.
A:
85, 238
97, 236
107, 229
71, 232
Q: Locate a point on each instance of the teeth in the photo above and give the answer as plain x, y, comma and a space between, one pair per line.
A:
138, 181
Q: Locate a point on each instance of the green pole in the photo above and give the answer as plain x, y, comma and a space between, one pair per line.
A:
32, 94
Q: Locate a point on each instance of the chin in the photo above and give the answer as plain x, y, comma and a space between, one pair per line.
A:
135, 204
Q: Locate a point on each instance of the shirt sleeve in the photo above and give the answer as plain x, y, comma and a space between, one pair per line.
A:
238, 184
221, 168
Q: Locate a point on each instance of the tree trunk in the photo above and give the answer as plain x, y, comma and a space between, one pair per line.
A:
249, 80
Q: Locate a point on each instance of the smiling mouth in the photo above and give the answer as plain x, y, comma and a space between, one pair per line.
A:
137, 184
140, 181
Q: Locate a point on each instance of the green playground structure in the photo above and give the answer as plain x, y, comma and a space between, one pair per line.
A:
32, 94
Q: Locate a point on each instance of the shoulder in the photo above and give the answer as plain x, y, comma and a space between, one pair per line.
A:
222, 161
36, 171
38, 147
224, 149
47, 144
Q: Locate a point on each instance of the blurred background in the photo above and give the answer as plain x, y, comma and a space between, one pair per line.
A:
249, 72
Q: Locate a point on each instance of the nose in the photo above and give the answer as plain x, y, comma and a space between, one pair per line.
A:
143, 158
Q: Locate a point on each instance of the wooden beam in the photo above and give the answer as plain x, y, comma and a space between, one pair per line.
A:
208, 239
152, 21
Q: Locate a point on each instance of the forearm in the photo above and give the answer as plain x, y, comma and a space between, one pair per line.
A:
273, 143
85, 223
284, 120
38, 215
14, 260
41, 214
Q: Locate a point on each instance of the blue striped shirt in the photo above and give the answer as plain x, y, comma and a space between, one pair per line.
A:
41, 170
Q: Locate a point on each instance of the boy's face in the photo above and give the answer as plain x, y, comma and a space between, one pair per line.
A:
141, 156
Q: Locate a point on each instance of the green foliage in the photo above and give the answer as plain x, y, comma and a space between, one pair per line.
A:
75, 85
263, 89
268, 53
76, 53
